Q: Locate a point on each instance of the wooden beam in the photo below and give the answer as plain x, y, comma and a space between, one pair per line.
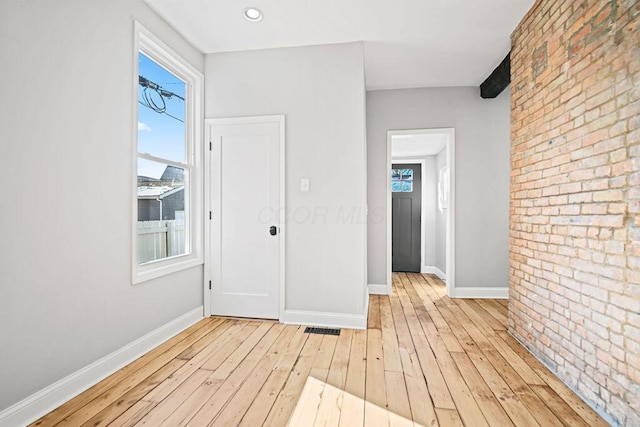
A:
498, 80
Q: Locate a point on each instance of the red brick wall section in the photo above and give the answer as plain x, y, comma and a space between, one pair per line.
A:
575, 197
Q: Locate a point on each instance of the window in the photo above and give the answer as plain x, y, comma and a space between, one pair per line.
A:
401, 180
167, 225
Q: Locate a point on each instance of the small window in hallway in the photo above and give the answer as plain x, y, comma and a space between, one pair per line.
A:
401, 180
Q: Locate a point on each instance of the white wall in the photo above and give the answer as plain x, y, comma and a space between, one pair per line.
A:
320, 89
441, 218
66, 297
482, 174
430, 204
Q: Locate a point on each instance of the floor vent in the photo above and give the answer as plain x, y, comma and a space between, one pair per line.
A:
322, 331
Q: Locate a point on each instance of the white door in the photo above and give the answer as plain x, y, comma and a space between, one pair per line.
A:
247, 245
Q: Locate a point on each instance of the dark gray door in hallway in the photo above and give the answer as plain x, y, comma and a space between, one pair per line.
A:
406, 200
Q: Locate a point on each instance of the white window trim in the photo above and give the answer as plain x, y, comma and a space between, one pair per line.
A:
155, 49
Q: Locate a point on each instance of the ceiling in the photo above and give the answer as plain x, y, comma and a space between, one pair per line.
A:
417, 145
407, 43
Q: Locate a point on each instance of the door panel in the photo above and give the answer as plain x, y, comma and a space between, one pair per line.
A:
245, 184
406, 199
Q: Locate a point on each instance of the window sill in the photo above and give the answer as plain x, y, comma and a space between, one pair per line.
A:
155, 269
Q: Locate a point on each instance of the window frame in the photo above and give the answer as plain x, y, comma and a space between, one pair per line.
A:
148, 44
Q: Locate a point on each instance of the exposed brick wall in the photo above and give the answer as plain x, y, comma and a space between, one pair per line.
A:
575, 197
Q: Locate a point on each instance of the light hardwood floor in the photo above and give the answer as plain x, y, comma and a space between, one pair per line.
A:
425, 359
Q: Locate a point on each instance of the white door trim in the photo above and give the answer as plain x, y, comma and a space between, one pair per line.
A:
208, 203
450, 233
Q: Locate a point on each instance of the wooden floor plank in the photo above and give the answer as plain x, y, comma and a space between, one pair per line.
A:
352, 413
397, 397
192, 385
522, 390
436, 383
340, 363
491, 409
235, 378
287, 398
449, 418
134, 414
306, 409
422, 409
329, 410
392, 362
480, 309
330, 407
516, 410
195, 401
375, 390
373, 319
425, 360
322, 361
519, 365
563, 411
259, 409
375, 387
177, 397
588, 414
496, 309
130, 398
246, 394
164, 389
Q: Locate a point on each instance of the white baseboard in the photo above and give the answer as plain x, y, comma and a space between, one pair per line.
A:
44, 401
375, 289
325, 319
493, 293
428, 269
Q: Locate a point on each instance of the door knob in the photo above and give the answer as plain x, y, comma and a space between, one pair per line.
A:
273, 230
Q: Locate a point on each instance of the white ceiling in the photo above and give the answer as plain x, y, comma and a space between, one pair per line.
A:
417, 145
407, 43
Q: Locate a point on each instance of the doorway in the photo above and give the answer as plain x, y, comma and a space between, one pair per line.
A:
246, 232
434, 151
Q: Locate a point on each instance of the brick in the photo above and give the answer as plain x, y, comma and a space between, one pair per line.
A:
608, 196
575, 212
595, 161
595, 136
596, 185
608, 144
595, 209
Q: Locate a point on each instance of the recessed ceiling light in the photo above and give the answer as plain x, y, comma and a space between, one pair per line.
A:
252, 14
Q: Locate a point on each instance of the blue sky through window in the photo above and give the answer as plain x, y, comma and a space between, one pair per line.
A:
161, 134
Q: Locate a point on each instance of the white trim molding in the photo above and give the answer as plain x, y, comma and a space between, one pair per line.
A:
376, 289
44, 401
428, 269
477, 293
325, 319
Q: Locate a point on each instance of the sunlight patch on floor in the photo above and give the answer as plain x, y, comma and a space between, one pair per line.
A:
322, 404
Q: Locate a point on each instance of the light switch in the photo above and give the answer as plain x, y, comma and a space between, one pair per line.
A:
304, 185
